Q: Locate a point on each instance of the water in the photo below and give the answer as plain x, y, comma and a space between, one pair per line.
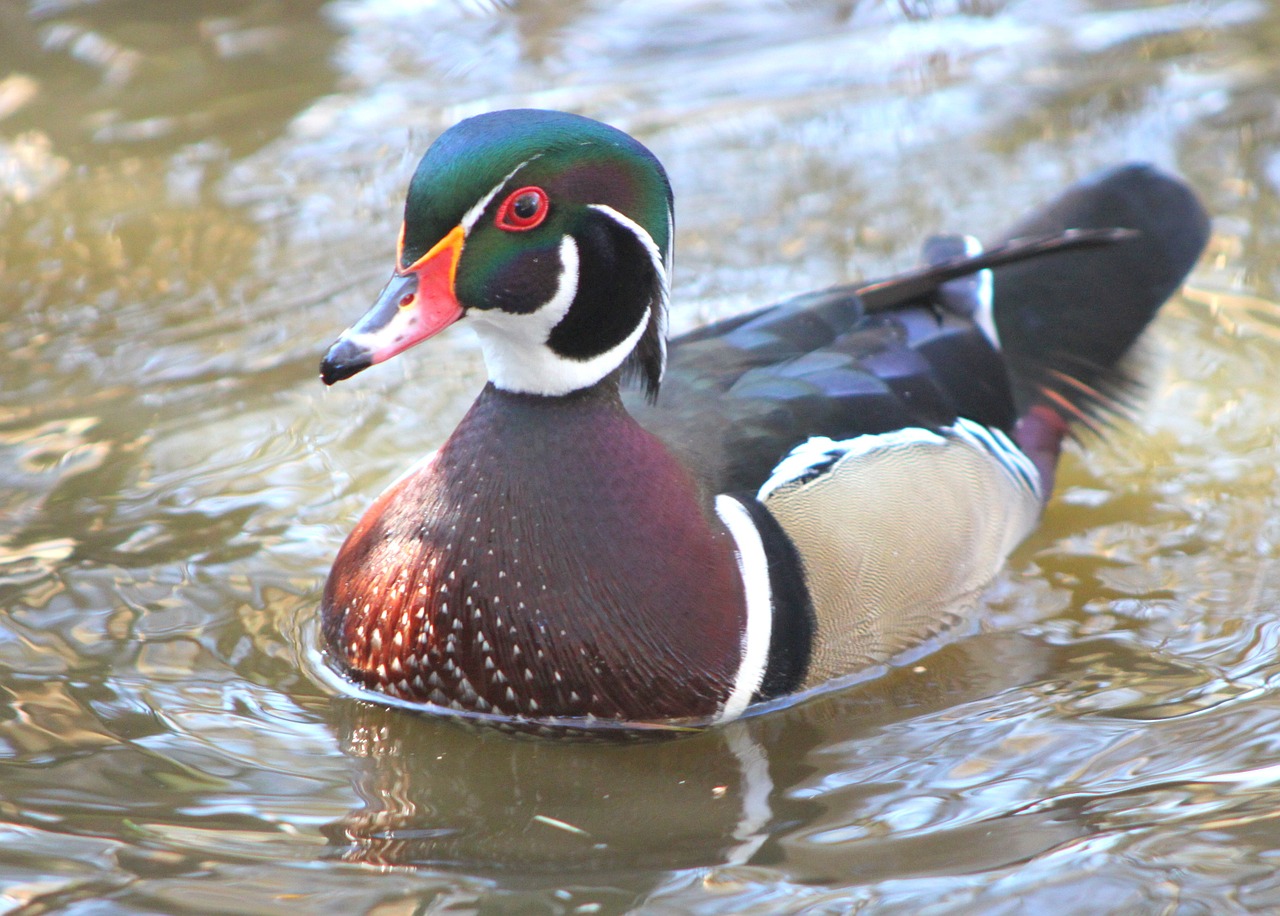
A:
194, 199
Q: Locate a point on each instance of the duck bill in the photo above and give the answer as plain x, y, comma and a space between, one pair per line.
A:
418, 302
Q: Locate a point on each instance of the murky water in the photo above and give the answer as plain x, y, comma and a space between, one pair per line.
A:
194, 198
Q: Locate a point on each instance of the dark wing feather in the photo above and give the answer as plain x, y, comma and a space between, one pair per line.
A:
735, 402
871, 358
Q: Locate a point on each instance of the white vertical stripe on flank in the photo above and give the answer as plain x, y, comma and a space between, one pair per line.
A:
753, 564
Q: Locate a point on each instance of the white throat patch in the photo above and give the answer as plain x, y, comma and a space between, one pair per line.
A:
515, 347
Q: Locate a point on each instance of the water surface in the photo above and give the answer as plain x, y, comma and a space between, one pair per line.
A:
195, 198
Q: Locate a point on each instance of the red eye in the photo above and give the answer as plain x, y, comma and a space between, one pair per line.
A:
523, 209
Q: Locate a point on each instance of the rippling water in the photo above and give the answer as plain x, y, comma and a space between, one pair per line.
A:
195, 197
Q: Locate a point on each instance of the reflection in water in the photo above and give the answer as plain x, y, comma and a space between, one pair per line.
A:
487, 802
440, 795
193, 194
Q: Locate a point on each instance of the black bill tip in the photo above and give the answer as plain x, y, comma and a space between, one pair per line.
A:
344, 359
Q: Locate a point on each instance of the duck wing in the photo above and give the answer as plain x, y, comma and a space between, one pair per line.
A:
1074, 285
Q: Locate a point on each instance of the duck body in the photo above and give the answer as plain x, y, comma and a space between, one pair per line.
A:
820, 485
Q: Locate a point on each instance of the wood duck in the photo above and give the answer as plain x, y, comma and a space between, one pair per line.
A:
793, 495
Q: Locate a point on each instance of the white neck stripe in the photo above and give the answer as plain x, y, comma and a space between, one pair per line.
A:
753, 565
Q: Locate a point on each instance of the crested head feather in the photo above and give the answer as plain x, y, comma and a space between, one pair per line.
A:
593, 175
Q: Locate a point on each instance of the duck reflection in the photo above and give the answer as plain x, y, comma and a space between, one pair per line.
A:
439, 795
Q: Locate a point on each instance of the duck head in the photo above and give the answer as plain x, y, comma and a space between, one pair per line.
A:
550, 234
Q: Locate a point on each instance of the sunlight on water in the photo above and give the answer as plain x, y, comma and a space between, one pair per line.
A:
194, 201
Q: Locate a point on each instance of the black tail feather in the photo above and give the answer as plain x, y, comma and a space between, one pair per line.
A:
917, 285
1067, 322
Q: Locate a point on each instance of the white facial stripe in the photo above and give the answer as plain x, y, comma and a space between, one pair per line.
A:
515, 347
753, 565
659, 266
532, 330
470, 218
666, 289
671, 235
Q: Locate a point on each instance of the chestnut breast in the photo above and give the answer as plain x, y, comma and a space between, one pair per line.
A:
551, 559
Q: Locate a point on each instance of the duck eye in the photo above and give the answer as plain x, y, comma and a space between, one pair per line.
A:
523, 209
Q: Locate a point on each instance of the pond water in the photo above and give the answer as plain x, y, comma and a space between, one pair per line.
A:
195, 197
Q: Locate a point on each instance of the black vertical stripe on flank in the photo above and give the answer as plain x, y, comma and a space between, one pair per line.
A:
792, 628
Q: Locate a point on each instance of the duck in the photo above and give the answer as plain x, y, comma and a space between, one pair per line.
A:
627, 530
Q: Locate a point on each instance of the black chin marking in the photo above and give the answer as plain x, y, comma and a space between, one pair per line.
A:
617, 282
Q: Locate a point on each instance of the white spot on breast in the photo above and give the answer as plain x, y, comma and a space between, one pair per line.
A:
468, 692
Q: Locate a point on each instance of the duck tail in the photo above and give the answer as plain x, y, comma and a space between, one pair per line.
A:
1066, 322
